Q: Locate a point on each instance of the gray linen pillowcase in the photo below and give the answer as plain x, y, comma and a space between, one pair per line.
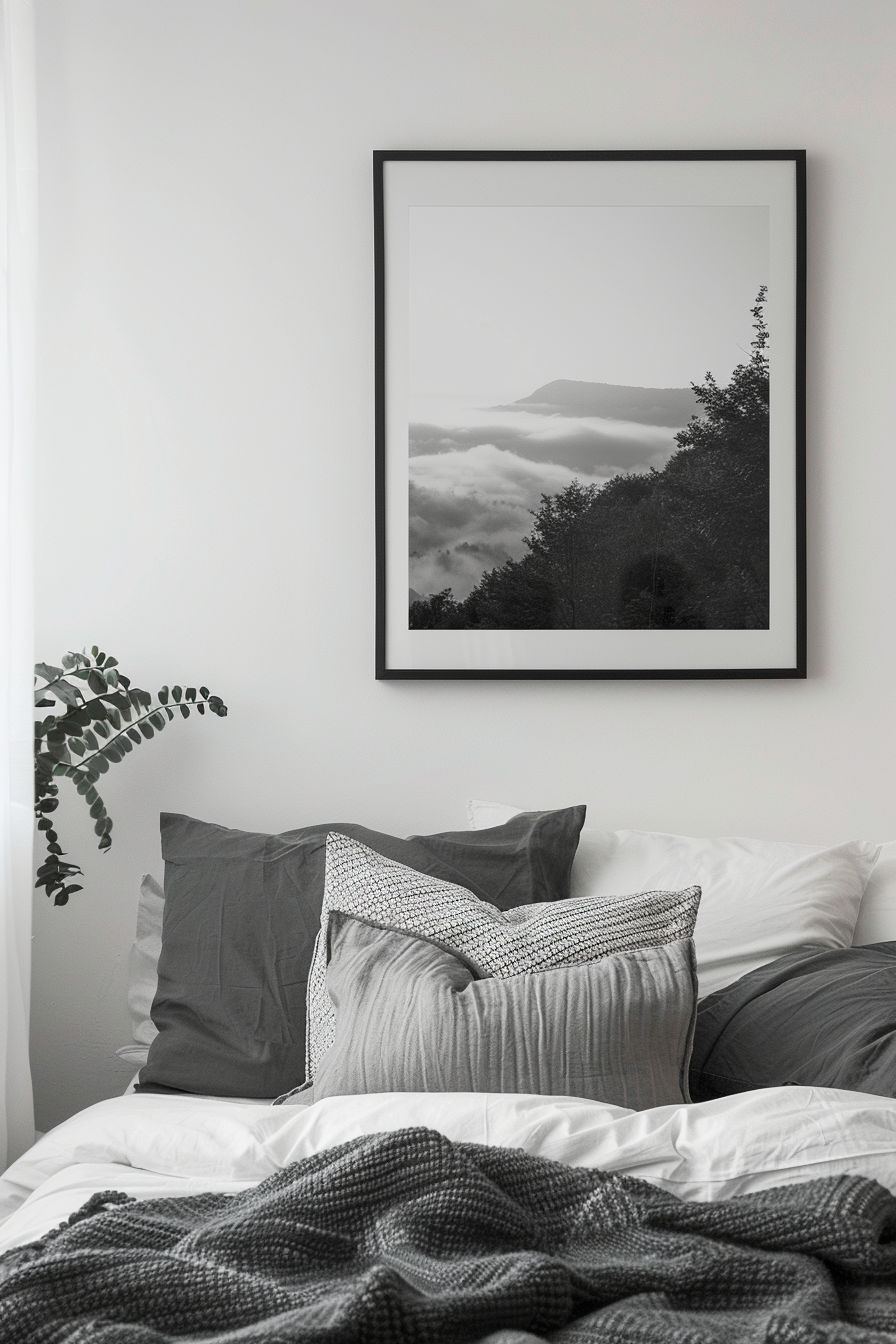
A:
413, 1015
241, 913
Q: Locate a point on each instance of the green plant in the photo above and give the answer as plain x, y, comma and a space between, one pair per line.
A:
69, 744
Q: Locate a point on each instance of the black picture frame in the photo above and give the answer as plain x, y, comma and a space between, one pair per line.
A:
481, 183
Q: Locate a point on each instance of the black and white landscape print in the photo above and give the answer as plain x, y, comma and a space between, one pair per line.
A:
588, 418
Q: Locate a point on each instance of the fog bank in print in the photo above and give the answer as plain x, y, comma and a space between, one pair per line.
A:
554, 350
477, 475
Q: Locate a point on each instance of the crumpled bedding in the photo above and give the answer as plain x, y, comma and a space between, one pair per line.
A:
153, 1146
407, 1237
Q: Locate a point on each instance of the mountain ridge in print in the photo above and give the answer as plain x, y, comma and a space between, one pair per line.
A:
671, 406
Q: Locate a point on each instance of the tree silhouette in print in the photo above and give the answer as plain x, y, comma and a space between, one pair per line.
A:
685, 548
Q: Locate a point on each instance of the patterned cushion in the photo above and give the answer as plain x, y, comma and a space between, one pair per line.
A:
494, 942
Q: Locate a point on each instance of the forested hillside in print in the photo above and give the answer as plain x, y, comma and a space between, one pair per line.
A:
684, 547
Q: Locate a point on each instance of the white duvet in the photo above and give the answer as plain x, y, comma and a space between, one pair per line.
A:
154, 1146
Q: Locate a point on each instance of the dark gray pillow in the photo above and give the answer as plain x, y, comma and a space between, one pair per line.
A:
413, 1015
242, 911
816, 1017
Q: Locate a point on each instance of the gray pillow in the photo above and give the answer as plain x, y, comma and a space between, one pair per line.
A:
818, 1017
242, 910
415, 1016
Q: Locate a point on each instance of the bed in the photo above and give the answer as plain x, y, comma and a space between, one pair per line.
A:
440, 1088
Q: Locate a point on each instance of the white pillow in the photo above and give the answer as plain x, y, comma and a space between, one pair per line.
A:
483, 815
877, 913
761, 898
143, 970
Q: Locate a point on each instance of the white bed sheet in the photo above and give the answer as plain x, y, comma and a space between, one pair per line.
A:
154, 1146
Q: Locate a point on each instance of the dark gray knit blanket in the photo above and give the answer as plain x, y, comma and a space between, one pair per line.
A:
408, 1237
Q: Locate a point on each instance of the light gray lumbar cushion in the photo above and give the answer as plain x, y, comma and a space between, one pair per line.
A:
414, 1016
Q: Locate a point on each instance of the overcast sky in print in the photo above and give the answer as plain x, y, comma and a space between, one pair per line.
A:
504, 300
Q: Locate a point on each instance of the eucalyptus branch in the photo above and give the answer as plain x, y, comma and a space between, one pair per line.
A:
114, 701
129, 734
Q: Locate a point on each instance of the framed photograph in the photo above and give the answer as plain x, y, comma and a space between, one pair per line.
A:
590, 425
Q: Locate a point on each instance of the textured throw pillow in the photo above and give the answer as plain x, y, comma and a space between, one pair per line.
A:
241, 913
761, 898
412, 1015
817, 1018
532, 938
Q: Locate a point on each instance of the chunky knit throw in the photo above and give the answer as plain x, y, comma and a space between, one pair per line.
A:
408, 1237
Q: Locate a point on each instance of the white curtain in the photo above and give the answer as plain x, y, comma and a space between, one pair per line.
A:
18, 257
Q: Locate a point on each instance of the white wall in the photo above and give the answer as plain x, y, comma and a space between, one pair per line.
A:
206, 427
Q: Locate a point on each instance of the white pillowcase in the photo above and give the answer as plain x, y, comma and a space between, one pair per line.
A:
143, 971
877, 913
761, 898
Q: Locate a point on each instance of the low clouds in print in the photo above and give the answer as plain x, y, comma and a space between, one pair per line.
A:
477, 473
469, 511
